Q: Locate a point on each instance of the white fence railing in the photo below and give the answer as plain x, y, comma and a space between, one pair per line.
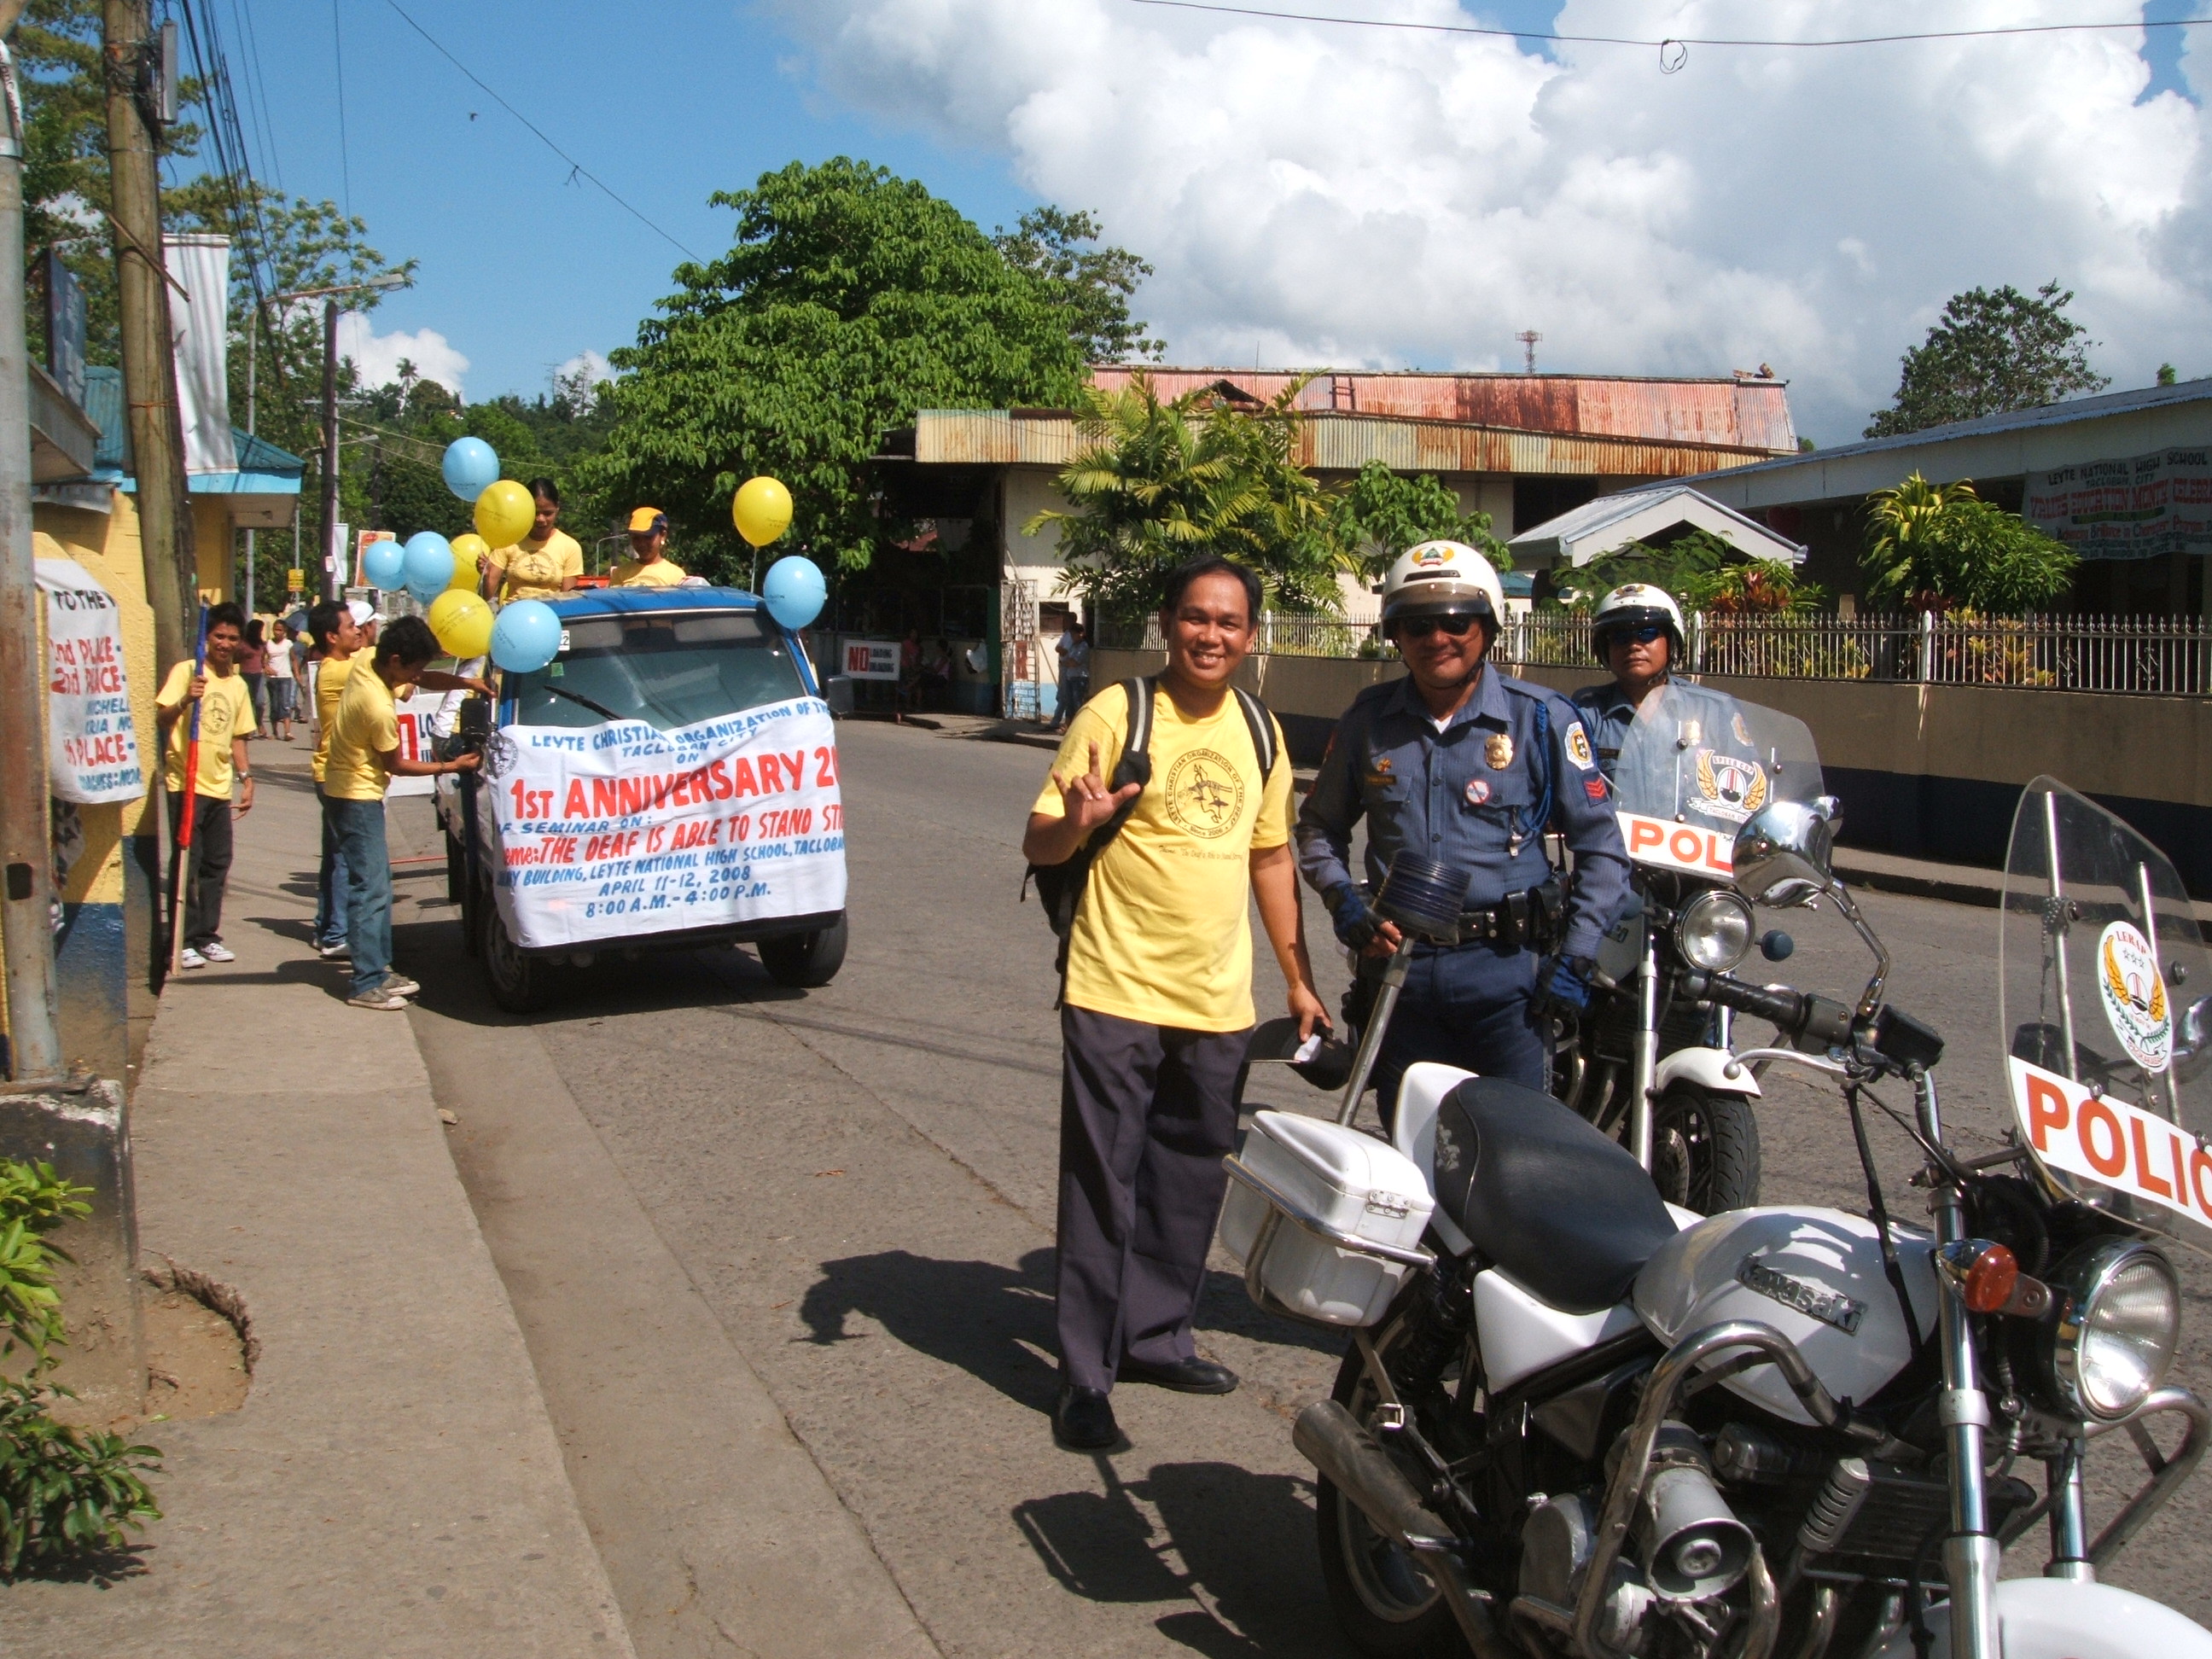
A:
2151, 656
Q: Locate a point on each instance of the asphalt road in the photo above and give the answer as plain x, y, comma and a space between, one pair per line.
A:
859, 1181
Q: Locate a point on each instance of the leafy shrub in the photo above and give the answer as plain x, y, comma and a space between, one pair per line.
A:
63, 1491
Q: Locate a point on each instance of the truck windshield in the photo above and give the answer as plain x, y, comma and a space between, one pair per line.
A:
668, 669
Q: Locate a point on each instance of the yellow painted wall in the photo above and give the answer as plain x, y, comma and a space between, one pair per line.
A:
211, 548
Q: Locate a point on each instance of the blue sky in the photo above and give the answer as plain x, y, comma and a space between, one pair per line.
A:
523, 268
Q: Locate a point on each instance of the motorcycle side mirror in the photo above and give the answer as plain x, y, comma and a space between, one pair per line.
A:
1776, 945
1785, 852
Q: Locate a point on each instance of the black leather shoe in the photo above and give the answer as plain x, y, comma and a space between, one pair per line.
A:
1083, 1420
1192, 1376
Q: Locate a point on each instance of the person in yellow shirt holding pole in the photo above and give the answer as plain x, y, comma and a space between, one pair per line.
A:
646, 567
364, 759
227, 718
545, 564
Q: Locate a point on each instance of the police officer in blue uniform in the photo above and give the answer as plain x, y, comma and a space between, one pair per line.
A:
1465, 765
1637, 632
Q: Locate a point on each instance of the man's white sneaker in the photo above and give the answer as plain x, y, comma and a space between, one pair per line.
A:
333, 952
380, 998
400, 985
189, 957
216, 950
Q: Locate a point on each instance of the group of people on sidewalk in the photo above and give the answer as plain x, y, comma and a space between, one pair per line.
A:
360, 665
1171, 832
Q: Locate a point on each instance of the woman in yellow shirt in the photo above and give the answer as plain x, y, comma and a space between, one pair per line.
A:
545, 564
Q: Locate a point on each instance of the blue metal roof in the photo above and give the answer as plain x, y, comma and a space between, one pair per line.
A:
631, 601
103, 402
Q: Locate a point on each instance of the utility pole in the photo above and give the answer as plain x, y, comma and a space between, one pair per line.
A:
332, 587
34, 1048
252, 334
149, 364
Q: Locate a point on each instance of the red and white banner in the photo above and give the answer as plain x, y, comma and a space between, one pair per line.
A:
1693, 847
610, 831
2108, 1141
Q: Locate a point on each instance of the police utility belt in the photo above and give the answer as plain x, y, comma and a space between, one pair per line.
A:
1528, 921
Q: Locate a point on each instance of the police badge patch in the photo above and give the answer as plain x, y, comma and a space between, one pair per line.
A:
1497, 751
1578, 747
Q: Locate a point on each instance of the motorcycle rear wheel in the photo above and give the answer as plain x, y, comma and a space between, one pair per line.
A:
1387, 1605
1705, 1150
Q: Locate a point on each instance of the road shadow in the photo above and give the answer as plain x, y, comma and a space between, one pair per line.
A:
1238, 1544
101, 1569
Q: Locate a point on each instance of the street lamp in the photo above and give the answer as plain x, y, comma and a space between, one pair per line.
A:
390, 279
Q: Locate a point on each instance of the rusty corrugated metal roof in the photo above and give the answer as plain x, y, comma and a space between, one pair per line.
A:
1735, 413
1336, 442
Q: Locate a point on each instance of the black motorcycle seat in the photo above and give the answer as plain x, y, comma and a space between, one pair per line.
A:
1558, 1205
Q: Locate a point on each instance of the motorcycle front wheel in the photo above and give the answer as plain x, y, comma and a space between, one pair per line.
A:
1387, 1606
1705, 1150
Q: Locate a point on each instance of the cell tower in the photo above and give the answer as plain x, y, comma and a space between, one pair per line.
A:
1529, 337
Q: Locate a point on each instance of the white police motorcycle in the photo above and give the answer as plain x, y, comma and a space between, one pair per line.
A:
1577, 1420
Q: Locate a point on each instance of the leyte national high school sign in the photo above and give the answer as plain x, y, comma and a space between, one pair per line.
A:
609, 831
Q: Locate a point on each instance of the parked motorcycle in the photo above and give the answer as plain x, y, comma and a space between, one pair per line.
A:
1576, 1420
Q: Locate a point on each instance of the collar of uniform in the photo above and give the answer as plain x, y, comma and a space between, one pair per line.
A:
1612, 695
1488, 705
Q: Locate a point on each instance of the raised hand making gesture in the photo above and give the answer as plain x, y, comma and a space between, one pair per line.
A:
1088, 804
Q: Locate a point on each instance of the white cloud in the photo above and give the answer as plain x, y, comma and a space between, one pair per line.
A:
377, 356
593, 364
1369, 197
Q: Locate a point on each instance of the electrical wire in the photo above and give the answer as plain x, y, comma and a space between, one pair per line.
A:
576, 169
1672, 40
258, 88
345, 162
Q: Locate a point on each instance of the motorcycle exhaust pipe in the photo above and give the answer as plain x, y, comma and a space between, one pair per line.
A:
1331, 1439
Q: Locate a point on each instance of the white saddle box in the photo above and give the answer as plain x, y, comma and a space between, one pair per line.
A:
1349, 1181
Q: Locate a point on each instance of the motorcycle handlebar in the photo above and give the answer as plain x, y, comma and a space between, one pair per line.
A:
1797, 1013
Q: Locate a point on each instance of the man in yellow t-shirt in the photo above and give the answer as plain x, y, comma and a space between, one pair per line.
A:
226, 719
545, 564
337, 634
646, 567
364, 758
1157, 1004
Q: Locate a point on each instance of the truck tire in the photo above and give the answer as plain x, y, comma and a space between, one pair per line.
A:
456, 872
520, 984
1705, 1150
805, 961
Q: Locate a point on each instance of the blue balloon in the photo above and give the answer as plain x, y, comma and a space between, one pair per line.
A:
794, 591
527, 636
384, 564
471, 468
429, 566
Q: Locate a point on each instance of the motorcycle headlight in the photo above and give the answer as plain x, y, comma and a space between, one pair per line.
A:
2119, 1320
1713, 930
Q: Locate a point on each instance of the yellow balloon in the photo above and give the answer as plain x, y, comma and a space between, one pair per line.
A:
468, 560
762, 510
462, 623
504, 513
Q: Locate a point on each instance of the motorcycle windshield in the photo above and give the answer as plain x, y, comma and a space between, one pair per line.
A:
2105, 1010
1695, 764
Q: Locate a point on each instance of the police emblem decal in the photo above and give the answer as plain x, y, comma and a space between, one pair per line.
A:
1577, 746
1478, 791
1497, 751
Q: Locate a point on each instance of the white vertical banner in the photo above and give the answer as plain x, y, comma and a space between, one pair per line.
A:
199, 324
92, 742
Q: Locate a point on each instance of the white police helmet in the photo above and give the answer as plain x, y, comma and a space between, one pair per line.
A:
1637, 604
1443, 579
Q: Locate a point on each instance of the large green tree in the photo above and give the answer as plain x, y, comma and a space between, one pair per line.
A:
1933, 545
1991, 352
1381, 513
1092, 286
850, 300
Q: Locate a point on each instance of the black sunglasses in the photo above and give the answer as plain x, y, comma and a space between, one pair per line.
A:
1643, 635
1419, 627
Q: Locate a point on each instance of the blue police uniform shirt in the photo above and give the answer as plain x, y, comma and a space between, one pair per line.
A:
1608, 713
1478, 795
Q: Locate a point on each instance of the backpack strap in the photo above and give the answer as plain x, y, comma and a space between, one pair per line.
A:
1261, 724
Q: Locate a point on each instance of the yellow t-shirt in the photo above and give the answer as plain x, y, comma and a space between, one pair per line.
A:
226, 711
660, 574
366, 730
330, 675
532, 570
1162, 934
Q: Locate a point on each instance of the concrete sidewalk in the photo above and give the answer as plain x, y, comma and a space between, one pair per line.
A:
392, 1486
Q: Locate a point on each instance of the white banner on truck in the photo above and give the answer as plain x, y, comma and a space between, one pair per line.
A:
92, 742
610, 831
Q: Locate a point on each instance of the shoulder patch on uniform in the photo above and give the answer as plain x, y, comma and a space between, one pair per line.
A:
1576, 743
1594, 786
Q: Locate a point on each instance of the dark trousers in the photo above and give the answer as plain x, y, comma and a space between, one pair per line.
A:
360, 828
201, 889
329, 880
1146, 1114
1466, 1006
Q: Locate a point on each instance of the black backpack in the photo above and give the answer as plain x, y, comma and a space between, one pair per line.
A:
1059, 886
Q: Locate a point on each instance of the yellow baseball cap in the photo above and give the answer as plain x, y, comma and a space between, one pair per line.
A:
645, 520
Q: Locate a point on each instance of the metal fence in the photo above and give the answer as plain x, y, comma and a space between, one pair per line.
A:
2150, 656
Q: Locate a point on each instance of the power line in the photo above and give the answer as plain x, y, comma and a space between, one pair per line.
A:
345, 163
258, 88
1673, 40
576, 169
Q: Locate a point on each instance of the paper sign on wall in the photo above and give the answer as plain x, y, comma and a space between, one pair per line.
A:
92, 742
609, 831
